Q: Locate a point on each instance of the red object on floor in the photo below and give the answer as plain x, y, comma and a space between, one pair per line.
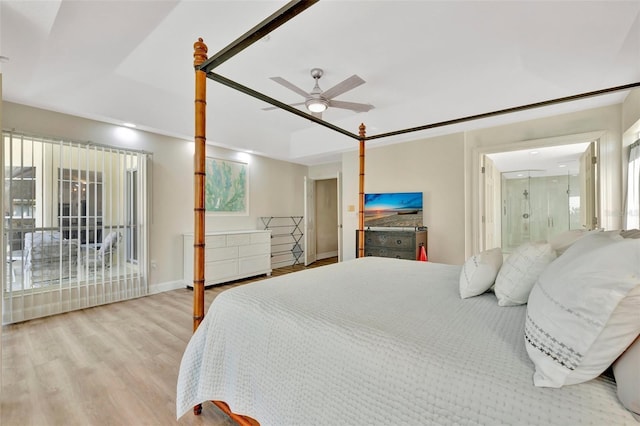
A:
423, 254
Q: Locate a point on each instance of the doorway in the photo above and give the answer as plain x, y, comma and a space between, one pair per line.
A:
542, 192
326, 218
322, 225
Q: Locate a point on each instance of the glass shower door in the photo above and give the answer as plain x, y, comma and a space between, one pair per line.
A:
535, 207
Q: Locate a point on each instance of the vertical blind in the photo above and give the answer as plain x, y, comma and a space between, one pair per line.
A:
75, 226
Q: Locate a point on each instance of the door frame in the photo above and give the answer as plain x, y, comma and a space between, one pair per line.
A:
309, 221
474, 201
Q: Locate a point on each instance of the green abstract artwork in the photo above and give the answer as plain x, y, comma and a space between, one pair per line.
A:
226, 188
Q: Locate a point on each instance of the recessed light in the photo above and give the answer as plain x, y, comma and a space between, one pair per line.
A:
133, 126
533, 152
562, 165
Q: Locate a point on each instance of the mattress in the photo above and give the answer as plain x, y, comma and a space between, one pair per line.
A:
376, 341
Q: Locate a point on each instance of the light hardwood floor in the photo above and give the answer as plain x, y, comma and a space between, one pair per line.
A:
110, 365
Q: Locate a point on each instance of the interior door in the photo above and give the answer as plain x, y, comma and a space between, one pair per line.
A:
588, 194
309, 221
491, 205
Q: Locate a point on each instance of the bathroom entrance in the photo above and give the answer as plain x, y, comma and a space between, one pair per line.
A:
537, 193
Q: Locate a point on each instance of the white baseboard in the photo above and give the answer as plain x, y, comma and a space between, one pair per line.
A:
327, 255
166, 286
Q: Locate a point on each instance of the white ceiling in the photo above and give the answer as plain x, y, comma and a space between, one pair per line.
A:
423, 62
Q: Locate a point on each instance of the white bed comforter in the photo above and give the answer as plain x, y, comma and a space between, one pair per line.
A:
376, 341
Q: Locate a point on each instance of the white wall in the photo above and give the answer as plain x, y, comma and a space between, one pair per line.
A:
434, 167
325, 171
275, 186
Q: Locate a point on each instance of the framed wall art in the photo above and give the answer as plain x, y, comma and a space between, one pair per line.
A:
226, 187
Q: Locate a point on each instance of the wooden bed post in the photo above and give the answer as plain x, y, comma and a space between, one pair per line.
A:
361, 194
199, 56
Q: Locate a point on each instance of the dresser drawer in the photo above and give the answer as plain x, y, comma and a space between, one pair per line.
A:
254, 249
254, 264
214, 241
216, 272
222, 253
238, 239
390, 240
390, 252
261, 237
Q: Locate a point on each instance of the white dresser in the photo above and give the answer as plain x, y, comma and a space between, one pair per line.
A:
230, 255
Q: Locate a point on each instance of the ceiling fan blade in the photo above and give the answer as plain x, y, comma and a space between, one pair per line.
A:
353, 106
290, 86
272, 107
346, 85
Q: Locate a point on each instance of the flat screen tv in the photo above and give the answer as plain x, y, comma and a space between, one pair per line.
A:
393, 209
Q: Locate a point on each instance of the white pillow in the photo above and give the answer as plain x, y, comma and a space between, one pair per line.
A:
479, 272
626, 371
591, 241
583, 312
520, 272
630, 233
564, 240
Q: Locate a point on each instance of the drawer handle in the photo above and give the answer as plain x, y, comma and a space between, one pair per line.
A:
398, 242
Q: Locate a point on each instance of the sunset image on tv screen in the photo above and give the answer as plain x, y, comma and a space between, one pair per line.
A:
393, 209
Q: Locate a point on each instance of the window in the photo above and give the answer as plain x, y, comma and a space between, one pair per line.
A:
19, 203
80, 206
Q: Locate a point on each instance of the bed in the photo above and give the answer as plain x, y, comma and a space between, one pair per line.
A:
377, 341
386, 341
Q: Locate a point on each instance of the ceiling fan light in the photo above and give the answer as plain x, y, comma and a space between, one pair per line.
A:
317, 105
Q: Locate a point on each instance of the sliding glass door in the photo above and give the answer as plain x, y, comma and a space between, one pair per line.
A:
72, 223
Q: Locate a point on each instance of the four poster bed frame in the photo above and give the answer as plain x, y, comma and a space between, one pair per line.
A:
204, 70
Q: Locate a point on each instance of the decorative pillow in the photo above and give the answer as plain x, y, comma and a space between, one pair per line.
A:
583, 312
592, 240
630, 233
520, 272
626, 371
479, 272
563, 241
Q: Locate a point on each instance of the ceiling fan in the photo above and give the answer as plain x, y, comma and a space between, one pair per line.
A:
318, 100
